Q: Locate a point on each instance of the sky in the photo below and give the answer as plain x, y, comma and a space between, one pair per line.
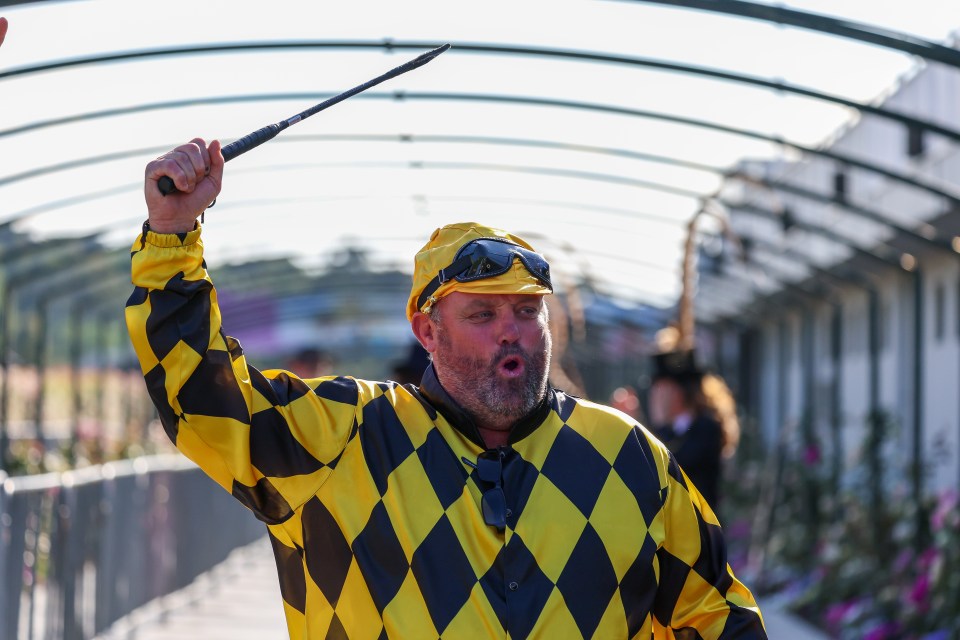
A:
603, 195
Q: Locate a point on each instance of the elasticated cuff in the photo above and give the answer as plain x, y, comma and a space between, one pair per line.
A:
169, 240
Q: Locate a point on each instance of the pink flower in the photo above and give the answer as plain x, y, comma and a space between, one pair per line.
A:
904, 559
837, 613
921, 592
926, 559
811, 455
946, 505
886, 631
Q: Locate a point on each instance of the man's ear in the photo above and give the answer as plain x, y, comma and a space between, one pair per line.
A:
425, 331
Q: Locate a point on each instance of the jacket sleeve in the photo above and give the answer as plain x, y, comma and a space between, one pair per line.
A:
697, 595
269, 438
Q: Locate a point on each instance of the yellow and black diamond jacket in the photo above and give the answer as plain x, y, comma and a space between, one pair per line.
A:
374, 512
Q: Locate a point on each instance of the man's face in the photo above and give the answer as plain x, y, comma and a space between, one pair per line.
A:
493, 352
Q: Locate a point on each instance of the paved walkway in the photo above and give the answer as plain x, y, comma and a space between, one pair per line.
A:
240, 600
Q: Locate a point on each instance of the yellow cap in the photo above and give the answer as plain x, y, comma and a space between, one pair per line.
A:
438, 253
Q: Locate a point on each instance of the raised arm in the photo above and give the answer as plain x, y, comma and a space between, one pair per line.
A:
266, 437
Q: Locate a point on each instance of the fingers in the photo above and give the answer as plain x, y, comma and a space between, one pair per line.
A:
204, 153
216, 161
196, 169
186, 165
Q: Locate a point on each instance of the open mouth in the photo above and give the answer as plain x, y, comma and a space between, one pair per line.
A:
511, 366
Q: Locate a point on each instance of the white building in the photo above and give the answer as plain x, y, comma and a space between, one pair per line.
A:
834, 313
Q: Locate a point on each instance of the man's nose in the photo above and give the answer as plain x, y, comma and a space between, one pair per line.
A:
509, 330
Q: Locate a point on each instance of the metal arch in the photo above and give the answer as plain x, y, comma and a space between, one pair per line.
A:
78, 243
887, 38
548, 171
514, 50
410, 138
508, 99
767, 213
694, 122
773, 266
775, 273
310, 286
834, 279
863, 212
646, 185
558, 204
786, 288
400, 137
829, 235
603, 177
712, 301
832, 236
634, 183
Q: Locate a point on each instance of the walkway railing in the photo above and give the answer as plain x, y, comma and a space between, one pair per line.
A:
81, 549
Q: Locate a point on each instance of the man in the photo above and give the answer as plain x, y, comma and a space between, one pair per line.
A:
481, 504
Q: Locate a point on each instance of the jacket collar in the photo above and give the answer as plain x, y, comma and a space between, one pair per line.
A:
434, 393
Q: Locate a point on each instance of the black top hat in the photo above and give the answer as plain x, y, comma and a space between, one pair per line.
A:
677, 365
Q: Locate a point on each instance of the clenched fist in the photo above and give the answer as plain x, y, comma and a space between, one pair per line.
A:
196, 169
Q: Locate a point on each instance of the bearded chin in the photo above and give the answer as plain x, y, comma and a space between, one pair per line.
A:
514, 398
484, 394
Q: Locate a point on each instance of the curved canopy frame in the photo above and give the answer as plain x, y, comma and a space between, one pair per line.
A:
589, 167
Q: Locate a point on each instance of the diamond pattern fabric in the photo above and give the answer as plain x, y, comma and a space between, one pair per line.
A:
375, 514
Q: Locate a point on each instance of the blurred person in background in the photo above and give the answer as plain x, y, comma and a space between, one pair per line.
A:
481, 503
410, 369
694, 414
310, 363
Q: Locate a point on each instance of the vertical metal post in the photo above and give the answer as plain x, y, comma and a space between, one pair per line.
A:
809, 375
836, 413
76, 336
40, 356
808, 420
783, 356
101, 336
5, 365
876, 423
873, 335
918, 415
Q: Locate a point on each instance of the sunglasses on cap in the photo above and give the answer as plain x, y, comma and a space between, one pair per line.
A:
487, 258
493, 502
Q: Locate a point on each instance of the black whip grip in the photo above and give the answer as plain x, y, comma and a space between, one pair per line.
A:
234, 149
252, 140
